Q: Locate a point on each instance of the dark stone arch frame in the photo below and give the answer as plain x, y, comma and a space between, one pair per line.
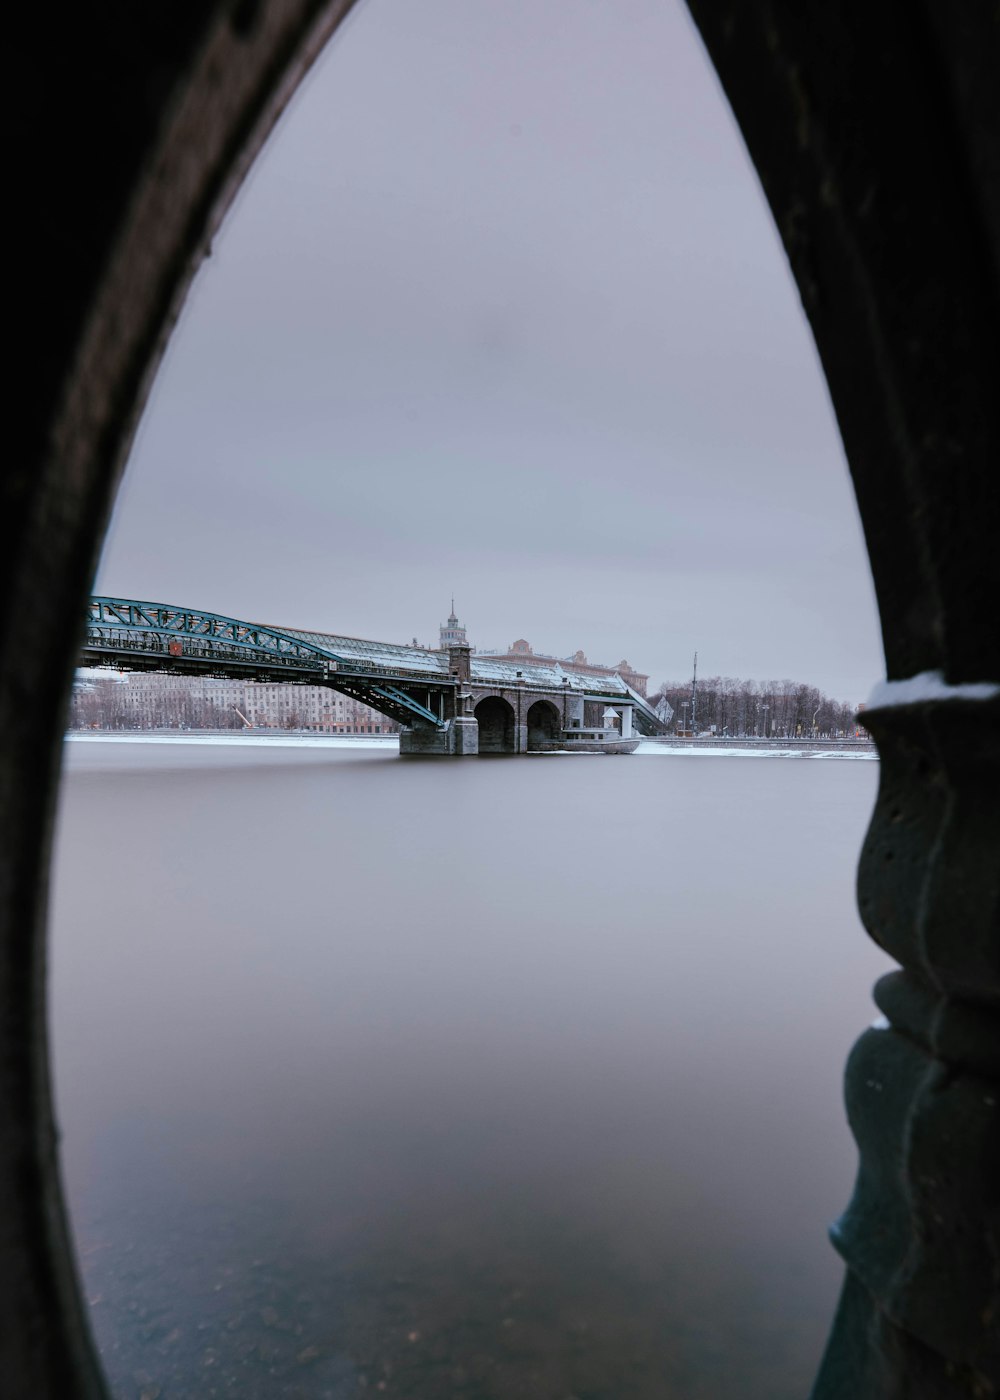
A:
509, 721
875, 131
552, 710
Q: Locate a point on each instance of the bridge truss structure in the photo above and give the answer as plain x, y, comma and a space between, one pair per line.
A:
136, 636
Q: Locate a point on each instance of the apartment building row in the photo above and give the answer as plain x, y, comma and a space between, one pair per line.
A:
134, 700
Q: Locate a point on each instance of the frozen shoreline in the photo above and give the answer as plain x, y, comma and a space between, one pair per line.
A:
237, 740
691, 749
647, 748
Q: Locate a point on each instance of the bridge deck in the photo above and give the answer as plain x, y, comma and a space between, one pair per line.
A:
383, 656
395, 678
423, 662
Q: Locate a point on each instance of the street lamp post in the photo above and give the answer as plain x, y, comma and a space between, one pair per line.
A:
765, 708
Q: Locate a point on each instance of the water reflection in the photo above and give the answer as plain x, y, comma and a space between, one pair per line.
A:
489, 1079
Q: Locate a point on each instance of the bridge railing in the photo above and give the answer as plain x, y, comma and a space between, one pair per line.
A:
111, 642
161, 637
186, 646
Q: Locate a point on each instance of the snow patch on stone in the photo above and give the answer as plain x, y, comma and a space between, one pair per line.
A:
928, 685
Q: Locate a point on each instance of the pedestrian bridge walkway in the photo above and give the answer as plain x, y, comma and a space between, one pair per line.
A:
448, 701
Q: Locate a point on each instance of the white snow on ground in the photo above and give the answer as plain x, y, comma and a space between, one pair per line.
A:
672, 750
929, 685
390, 741
236, 740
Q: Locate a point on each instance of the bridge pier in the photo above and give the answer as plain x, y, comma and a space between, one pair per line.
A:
458, 738
464, 734
422, 739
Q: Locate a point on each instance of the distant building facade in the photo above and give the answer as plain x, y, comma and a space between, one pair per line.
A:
137, 700
521, 651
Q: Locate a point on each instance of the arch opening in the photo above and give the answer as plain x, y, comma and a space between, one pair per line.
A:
543, 726
497, 726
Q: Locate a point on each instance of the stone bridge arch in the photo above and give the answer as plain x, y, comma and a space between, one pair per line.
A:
497, 725
543, 724
874, 131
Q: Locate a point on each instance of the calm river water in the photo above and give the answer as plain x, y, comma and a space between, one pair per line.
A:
514, 1078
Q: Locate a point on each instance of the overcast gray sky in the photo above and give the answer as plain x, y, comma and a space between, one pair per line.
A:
501, 311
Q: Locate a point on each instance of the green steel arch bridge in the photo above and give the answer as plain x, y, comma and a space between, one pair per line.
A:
437, 696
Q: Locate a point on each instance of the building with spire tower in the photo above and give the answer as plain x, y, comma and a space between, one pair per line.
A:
452, 633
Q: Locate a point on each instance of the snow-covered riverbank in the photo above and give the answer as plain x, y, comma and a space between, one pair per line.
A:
692, 749
237, 739
389, 743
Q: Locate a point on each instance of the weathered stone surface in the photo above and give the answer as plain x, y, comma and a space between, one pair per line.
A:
135, 133
868, 1358
917, 1232
465, 737
929, 877
458, 738
921, 1235
875, 132
961, 1033
423, 740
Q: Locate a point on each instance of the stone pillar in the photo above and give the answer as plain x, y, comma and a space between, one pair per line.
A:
460, 662
465, 736
520, 717
460, 669
919, 1316
626, 714
464, 728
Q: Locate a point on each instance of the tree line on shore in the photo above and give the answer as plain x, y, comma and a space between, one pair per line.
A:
766, 709
726, 705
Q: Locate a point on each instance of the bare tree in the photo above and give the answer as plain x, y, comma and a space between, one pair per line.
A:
779, 709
